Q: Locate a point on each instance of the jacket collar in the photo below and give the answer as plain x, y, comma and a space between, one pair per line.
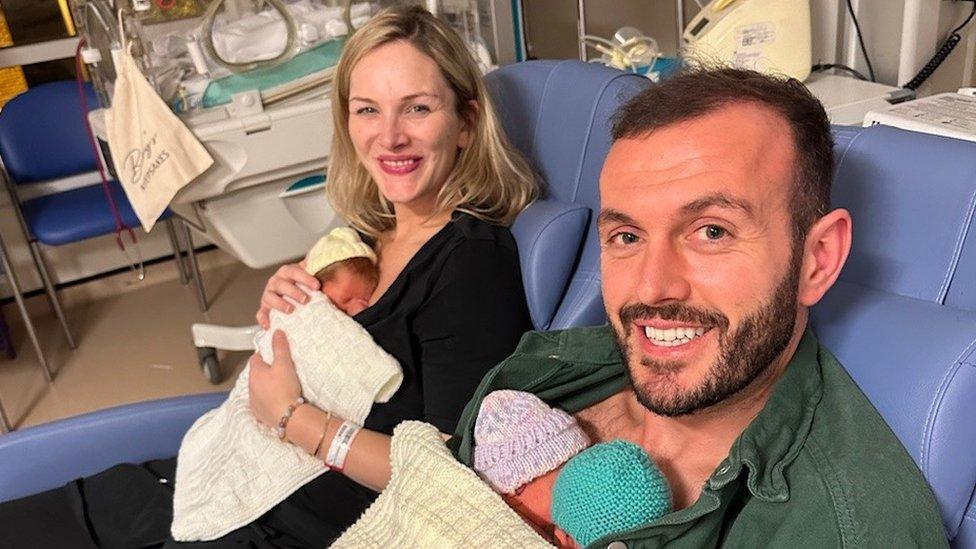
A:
774, 439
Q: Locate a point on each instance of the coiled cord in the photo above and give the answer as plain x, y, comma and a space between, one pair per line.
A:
941, 55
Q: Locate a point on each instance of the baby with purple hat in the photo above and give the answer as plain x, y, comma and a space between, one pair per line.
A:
536, 457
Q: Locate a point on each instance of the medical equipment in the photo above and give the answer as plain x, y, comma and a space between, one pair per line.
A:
947, 114
628, 50
465, 16
771, 36
847, 100
268, 136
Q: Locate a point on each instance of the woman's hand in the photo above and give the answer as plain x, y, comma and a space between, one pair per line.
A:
284, 283
273, 387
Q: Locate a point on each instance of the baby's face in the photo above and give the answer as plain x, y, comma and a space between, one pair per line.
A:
349, 291
533, 501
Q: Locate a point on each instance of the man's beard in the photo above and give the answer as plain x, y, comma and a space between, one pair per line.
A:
744, 354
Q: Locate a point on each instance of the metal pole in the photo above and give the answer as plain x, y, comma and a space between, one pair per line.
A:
8, 269
4, 422
581, 7
679, 15
177, 251
194, 267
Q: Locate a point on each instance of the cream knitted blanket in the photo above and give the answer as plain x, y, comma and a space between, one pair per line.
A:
432, 500
231, 469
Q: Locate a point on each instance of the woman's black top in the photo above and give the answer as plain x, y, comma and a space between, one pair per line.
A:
457, 309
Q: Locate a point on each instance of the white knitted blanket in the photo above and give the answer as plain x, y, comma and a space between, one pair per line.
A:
432, 500
231, 469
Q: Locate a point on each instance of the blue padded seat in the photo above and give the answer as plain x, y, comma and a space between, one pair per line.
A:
78, 214
25, 136
45, 140
916, 362
93, 442
557, 113
30, 155
548, 234
912, 197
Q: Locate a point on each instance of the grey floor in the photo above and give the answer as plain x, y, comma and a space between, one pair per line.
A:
133, 339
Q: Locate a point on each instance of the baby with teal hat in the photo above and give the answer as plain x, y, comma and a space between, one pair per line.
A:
541, 462
609, 488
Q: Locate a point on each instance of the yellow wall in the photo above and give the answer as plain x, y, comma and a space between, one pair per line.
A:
12, 81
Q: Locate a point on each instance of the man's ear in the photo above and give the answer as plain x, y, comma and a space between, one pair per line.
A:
469, 121
825, 251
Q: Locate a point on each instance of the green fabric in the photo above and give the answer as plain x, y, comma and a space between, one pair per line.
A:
314, 60
818, 467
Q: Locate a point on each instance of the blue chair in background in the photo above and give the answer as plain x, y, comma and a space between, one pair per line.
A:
902, 317
899, 319
557, 113
43, 140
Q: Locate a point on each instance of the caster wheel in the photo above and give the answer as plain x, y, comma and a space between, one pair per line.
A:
209, 363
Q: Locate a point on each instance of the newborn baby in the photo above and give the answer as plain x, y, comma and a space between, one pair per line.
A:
231, 469
535, 456
520, 443
609, 488
346, 269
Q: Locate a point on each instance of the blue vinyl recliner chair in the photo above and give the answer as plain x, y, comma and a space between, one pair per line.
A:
901, 319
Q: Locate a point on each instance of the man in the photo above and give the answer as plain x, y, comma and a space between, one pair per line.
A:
716, 240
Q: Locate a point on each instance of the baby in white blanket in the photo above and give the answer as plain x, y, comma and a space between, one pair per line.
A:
346, 269
232, 469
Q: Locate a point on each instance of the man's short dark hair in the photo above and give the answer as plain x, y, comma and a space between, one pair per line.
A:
700, 91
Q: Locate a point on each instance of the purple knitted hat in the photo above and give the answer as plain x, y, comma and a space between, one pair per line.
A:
519, 438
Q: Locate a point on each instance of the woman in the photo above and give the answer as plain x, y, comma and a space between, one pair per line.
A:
419, 164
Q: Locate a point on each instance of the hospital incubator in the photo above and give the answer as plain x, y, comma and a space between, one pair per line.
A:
765, 35
251, 79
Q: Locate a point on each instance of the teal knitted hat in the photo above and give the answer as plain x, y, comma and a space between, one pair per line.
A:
609, 487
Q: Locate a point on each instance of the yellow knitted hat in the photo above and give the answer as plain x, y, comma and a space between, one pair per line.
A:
340, 244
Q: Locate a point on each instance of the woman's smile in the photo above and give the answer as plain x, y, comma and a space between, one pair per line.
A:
399, 164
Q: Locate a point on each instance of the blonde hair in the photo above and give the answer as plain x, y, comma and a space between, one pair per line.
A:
490, 179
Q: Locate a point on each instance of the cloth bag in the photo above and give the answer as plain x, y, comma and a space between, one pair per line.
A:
155, 154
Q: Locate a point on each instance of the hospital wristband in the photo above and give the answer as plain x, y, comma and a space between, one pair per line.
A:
283, 422
336, 457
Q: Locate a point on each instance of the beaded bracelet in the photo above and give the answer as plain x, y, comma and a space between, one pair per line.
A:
283, 422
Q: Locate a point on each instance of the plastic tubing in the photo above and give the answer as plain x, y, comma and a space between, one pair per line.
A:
291, 46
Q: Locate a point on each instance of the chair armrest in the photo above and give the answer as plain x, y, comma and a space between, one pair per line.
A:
549, 234
916, 361
47, 456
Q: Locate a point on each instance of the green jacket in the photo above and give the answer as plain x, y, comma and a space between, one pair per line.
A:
817, 468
